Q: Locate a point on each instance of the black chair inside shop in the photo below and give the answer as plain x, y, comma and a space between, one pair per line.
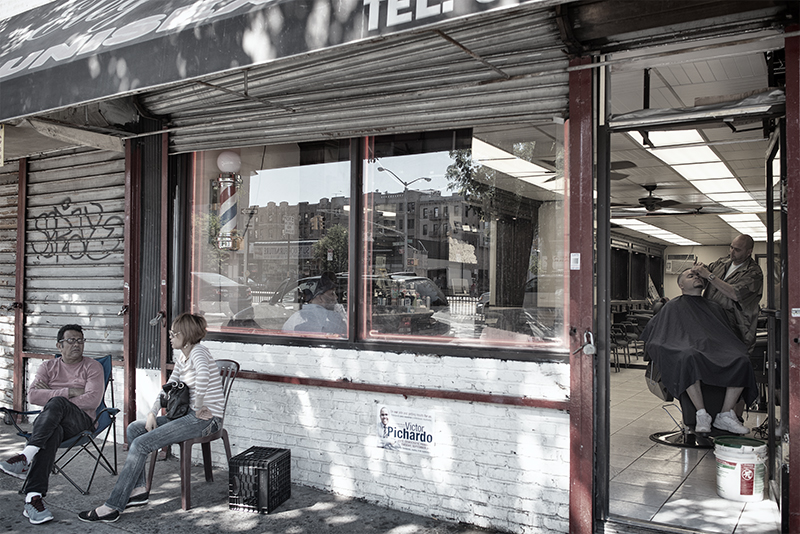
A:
683, 435
91, 442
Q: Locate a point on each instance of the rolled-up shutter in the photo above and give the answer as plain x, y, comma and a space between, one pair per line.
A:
507, 66
8, 259
75, 249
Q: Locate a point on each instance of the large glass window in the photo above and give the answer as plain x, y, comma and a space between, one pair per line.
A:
268, 223
462, 244
500, 280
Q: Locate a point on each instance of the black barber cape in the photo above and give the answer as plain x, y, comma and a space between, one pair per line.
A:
690, 339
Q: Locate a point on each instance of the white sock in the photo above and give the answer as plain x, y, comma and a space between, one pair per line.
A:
702, 411
29, 452
29, 497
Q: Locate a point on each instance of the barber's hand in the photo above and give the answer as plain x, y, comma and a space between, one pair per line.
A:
701, 270
40, 385
76, 392
150, 424
204, 414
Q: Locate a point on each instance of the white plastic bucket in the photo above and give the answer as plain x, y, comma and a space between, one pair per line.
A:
741, 468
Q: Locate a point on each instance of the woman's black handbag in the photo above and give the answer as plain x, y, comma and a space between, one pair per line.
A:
175, 399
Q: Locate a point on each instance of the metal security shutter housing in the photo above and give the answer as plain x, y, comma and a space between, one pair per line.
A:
74, 250
507, 66
8, 258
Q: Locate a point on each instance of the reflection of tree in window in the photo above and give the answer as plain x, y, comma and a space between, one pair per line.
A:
336, 242
208, 228
511, 216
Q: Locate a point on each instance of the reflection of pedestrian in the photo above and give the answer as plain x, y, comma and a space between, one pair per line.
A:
386, 441
321, 313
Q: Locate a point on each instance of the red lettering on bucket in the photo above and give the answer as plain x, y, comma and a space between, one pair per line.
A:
748, 477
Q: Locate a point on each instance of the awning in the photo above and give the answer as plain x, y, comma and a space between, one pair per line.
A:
79, 51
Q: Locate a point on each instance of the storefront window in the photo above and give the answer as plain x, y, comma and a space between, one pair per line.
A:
463, 239
269, 226
490, 274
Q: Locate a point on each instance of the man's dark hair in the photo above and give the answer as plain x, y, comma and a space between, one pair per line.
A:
75, 327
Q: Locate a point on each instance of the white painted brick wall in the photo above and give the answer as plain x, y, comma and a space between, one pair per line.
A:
495, 466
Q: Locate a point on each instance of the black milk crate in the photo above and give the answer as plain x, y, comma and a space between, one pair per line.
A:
259, 479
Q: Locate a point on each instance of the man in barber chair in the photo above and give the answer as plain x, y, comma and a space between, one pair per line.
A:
699, 353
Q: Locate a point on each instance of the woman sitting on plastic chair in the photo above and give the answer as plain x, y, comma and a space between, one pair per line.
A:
196, 368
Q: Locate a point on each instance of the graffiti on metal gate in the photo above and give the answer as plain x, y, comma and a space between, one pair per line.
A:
78, 232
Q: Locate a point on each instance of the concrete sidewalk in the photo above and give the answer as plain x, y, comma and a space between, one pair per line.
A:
308, 511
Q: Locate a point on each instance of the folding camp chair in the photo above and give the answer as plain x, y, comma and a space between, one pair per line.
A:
105, 423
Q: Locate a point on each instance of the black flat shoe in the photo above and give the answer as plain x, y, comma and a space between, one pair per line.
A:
138, 500
92, 517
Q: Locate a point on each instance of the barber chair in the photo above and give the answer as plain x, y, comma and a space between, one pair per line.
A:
684, 435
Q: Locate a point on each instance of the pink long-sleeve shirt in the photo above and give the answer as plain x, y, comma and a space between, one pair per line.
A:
60, 376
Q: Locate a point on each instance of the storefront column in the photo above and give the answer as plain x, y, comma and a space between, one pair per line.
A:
19, 289
793, 268
580, 231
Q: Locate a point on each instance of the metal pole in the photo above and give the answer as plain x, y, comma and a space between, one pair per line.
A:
405, 228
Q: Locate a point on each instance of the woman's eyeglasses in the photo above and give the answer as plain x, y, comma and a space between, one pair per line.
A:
174, 334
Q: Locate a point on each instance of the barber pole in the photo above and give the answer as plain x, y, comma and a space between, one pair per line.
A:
229, 163
229, 202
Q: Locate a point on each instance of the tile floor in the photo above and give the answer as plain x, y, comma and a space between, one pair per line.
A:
670, 485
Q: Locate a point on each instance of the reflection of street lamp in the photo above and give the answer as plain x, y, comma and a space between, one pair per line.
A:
405, 209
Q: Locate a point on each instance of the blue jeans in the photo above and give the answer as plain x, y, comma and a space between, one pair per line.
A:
141, 443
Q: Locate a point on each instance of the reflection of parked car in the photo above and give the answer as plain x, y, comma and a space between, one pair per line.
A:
387, 317
216, 293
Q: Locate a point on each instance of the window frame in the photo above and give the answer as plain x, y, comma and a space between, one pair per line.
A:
358, 151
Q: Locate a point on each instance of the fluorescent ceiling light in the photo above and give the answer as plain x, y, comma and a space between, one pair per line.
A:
701, 167
653, 231
703, 171
728, 185
679, 156
747, 223
507, 163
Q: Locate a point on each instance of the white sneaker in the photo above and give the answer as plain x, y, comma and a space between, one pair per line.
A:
728, 421
703, 425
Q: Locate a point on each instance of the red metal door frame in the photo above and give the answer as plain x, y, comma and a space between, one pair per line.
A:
580, 200
793, 267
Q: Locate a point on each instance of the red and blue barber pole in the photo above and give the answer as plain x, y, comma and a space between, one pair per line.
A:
229, 163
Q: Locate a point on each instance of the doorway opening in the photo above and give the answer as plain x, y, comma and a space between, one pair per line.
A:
675, 187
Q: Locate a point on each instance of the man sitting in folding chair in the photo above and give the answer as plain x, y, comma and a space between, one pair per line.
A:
70, 388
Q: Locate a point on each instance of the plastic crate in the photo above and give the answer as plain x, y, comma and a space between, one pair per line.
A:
259, 479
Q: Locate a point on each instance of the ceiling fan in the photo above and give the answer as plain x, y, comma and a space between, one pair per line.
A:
652, 205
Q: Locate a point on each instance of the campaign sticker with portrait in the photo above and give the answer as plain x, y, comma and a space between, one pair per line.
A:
402, 429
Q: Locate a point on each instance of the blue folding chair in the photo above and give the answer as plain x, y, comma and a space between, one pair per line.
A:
105, 423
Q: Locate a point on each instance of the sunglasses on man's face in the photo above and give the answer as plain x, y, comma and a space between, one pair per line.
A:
73, 340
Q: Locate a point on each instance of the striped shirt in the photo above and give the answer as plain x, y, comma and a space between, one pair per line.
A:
200, 372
